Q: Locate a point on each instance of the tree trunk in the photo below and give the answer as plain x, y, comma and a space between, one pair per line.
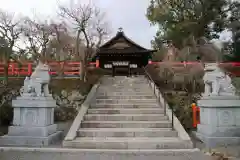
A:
6, 65
85, 56
82, 70
77, 43
6, 73
85, 67
58, 54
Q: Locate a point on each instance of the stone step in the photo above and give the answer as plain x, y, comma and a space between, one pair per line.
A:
121, 81
126, 124
140, 88
105, 93
126, 111
129, 89
137, 89
126, 101
129, 143
125, 91
126, 86
133, 84
127, 132
136, 85
125, 117
126, 97
135, 105
125, 81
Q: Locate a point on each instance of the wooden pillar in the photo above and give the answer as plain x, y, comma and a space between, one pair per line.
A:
129, 70
113, 70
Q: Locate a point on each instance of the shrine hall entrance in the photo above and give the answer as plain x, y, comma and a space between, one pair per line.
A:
120, 68
122, 56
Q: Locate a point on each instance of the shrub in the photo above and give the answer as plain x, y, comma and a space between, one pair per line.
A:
182, 107
6, 115
182, 85
64, 114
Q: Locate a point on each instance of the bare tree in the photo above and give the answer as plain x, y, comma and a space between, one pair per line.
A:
10, 30
87, 20
38, 35
79, 15
58, 42
98, 32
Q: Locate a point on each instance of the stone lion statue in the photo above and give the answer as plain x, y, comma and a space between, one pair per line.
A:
37, 83
217, 83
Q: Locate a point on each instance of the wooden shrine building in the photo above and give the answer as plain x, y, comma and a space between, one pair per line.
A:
122, 54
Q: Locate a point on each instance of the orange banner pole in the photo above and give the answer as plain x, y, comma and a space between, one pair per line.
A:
194, 115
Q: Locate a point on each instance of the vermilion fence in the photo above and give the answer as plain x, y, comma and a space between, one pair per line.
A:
73, 68
26, 69
234, 64
232, 67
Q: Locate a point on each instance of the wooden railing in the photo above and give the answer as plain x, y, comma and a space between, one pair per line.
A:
26, 69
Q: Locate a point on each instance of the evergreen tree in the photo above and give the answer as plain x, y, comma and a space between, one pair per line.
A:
181, 20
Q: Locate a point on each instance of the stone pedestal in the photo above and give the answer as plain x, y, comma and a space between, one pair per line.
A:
33, 122
219, 120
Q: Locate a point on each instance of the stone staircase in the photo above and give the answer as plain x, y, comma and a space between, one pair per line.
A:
125, 114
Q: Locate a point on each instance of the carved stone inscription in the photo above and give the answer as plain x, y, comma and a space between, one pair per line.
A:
30, 117
226, 118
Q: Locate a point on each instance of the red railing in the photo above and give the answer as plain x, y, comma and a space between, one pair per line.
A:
234, 64
232, 67
68, 68
73, 68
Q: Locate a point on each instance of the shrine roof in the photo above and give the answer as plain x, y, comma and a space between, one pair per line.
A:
122, 44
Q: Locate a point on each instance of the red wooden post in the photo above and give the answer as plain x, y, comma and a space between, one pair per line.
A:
149, 61
12, 68
29, 69
97, 63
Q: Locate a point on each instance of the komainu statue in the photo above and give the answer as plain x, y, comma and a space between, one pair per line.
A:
37, 83
217, 83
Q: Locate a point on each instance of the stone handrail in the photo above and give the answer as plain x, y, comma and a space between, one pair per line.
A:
177, 125
72, 133
175, 122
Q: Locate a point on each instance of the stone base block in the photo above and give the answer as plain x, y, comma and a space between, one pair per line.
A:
32, 131
218, 141
8, 140
219, 131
